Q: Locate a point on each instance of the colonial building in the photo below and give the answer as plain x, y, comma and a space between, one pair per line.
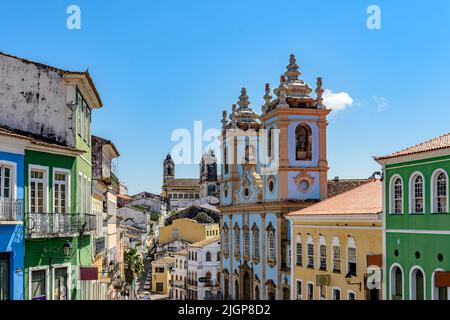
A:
183, 192
105, 185
179, 276
12, 154
274, 163
53, 108
188, 230
161, 269
417, 221
203, 269
334, 242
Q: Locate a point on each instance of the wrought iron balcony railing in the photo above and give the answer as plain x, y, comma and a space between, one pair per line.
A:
11, 210
58, 224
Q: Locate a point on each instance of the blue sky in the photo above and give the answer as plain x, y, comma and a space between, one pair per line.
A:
161, 65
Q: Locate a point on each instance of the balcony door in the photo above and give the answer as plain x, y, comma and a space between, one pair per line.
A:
4, 276
5, 192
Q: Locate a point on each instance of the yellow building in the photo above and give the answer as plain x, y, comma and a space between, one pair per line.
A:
333, 244
161, 274
187, 230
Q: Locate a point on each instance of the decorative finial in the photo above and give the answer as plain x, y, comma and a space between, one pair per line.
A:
233, 116
267, 97
243, 99
319, 92
292, 72
282, 93
224, 119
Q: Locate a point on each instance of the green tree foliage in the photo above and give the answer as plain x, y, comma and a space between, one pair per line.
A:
133, 265
202, 217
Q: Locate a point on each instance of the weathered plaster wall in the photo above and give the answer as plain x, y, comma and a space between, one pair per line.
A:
33, 98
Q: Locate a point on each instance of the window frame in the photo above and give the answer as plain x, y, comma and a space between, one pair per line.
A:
351, 244
412, 192
336, 243
412, 289
298, 256
322, 243
47, 281
45, 187
392, 195
297, 282
310, 242
68, 266
66, 172
433, 202
336, 289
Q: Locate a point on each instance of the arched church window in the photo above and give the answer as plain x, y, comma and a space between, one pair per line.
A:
269, 142
225, 161
303, 142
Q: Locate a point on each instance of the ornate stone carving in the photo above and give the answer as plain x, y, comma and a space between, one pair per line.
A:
303, 181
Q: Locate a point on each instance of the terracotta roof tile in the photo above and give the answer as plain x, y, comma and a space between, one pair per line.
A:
205, 242
339, 186
440, 142
365, 199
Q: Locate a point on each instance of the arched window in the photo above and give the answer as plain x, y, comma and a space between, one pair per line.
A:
303, 142
256, 297
396, 280
271, 245
417, 284
310, 252
322, 253
246, 243
237, 242
439, 292
269, 143
226, 241
396, 195
336, 248
416, 194
208, 256
299, 251
440, 192
225, 160
255, 243
351, 257
236, 290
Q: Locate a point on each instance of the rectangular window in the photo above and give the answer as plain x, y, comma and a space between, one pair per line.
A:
299, 256
88, 126
4, 276
310, 255
352, 261
89, 196
60, 291
86, 196
38, 285
299, 290
323, 257
323, 292
351, 296
336, 294
37, 191
337, 259
80, 193
79, 112
60, 192
5, 182
310, 291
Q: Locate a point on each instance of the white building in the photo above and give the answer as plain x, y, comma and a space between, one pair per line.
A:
179, 276
203, 269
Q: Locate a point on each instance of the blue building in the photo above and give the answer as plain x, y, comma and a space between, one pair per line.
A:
274, 163
11, 215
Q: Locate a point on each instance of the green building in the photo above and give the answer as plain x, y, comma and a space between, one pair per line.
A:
416, 239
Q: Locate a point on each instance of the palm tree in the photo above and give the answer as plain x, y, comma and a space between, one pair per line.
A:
133, 265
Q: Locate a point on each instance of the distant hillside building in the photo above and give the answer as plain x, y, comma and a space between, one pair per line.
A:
183, 192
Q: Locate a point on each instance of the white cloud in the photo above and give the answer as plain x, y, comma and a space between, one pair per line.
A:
381, 102
336, 100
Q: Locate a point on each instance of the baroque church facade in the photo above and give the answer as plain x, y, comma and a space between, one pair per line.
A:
183, 192
274, 163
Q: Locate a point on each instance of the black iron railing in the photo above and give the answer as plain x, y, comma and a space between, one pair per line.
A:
58, 224
11, 210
